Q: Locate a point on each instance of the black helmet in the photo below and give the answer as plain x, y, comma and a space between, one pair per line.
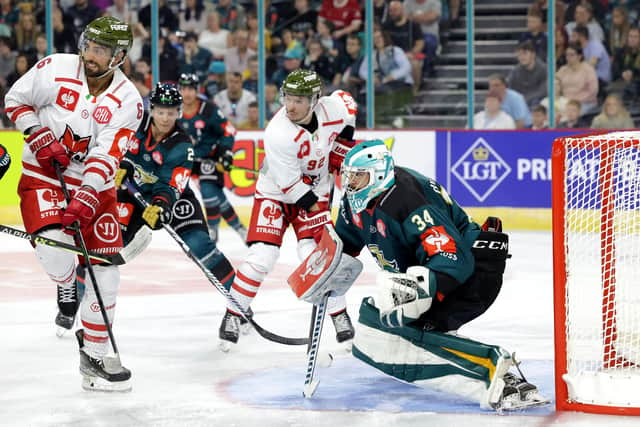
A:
189, 79
165, 95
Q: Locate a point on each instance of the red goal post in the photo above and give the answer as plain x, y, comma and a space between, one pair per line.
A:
596, 252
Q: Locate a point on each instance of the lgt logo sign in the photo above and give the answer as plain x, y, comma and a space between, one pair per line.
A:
481, 169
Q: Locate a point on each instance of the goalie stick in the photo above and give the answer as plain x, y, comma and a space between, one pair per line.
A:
214, 280
116, 259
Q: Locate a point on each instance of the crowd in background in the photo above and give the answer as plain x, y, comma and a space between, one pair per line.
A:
597, 53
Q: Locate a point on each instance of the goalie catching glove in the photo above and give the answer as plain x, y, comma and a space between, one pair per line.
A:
157, 213
403, 297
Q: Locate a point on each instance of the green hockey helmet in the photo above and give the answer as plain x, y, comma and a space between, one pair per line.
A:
367, 172
109, 32
302, 83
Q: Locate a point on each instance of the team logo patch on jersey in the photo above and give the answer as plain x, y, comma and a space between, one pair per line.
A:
199, 124
125, 210
180, 178
382, 228
134, 145
357, 220
183, 209
77, 146
270, 218
67, 98
157, 157
49, 202
107, 228
228, 128
436, 240
102, 115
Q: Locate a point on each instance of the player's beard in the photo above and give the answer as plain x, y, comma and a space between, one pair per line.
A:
97, 72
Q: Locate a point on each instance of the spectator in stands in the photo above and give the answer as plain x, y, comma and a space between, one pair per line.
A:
324, 33
427, 13
317, 60
215, 38
492, 117
597, 8
536, 33
408, 36
143, 66
304, 20
632, 7
512, 102
539, 118
292, 61
120, 10
540, 8
578, 79
8, 14
271, 99
584, 17
254, 34
196, 59
620, 26
253, 117
559, 102
380, 11
41, 46
250, 76
237, 57
572, 116
192, 17
7, 59
24, 61
82, 12
167, 20
348, 66
346, 16
594, 53
234, 101
529, 77
216, 79
169, 61
26, 32
232, 16
613, 116
139, 80
626, 67
140, 35
64, 36
562, 41
392, 74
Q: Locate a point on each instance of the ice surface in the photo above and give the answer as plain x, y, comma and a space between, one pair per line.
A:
166, 329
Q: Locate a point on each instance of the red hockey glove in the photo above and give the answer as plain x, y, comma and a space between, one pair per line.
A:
45, 146
315, 221
492, 223
82, 208
338, 151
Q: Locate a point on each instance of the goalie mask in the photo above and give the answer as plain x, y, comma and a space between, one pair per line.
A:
113, 37
367, 172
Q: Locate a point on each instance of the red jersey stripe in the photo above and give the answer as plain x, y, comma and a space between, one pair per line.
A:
68, 80
335, 122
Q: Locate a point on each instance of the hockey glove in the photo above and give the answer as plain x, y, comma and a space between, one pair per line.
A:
403, 297
492, 223
339, 150
125, 171
82, 208
44, 144
315, 222
157, 213
225, 160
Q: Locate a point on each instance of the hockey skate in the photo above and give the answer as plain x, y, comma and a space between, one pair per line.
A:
344, 329
68, 304
229, 331
106, 374
519, 394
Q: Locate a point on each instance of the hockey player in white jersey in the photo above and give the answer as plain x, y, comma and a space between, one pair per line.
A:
304, 143
78, 112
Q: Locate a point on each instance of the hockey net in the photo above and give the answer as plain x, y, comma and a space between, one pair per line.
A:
596, 238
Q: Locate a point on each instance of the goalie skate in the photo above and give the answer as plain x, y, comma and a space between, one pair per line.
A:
106, 374
519, 394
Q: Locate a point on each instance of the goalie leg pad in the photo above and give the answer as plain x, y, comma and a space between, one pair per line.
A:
140, 241
432, 359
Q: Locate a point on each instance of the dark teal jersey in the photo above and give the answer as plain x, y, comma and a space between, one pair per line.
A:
210, 130
161, 168
415, 222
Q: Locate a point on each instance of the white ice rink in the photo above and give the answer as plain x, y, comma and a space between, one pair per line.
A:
166, 329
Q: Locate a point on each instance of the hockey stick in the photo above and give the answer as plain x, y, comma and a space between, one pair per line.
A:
311, 381
116, 259
94, 283
214, 280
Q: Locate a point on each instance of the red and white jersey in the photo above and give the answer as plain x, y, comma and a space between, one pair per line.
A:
95, 130
296, 160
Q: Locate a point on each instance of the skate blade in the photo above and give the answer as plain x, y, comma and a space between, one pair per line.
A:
92, 383
516, 404
310, 388
245, 329
225, 346
61, 331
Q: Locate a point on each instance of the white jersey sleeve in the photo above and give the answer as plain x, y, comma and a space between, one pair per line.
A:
346, 101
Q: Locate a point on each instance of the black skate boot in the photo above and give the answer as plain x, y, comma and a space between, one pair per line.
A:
106, 374
344, 328
229, 331
68, 303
